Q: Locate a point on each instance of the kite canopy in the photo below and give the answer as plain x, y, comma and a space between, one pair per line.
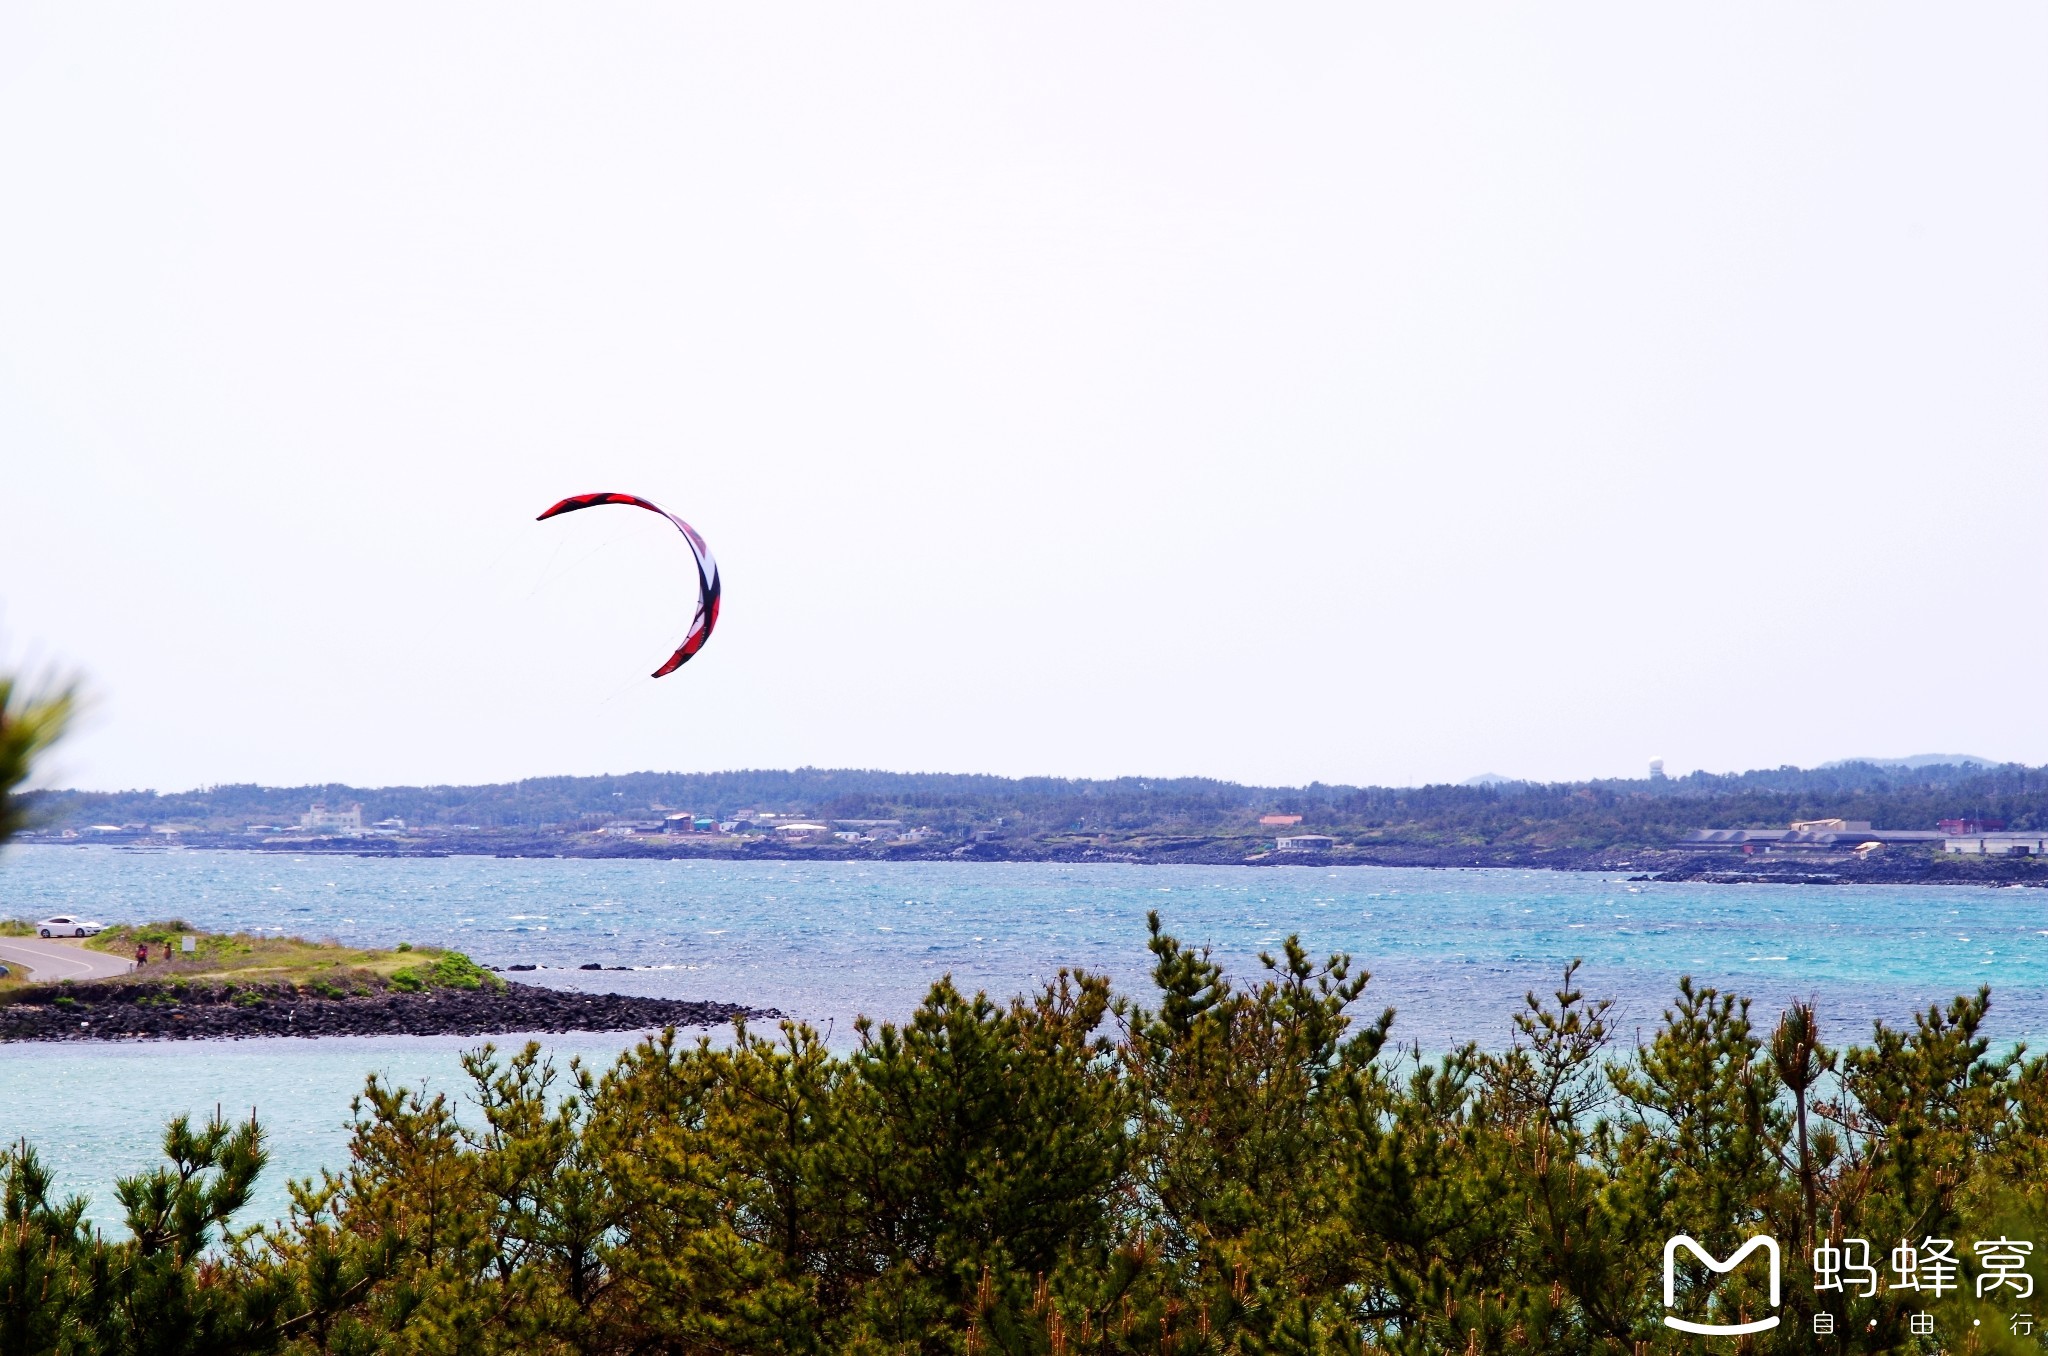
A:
706, 615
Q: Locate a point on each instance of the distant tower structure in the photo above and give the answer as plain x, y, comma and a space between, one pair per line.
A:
1656, 769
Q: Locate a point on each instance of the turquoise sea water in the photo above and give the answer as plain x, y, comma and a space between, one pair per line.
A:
1453, 951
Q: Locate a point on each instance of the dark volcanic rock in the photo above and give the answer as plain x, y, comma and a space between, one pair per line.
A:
129, 1011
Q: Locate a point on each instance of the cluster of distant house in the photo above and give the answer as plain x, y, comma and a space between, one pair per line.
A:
318, 822
1295, 842
785, 828
346, 821
322, 821
1973, 837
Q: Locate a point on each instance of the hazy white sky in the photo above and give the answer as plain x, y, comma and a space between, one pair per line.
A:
1365, 393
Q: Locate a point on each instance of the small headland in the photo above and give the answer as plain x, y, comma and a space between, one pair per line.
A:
235, 986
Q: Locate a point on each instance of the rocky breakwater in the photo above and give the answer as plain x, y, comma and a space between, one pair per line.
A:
117, 1010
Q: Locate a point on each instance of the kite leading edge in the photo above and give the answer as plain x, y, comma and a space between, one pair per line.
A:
706, 615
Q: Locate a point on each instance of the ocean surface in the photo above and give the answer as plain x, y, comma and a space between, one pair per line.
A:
1452, 950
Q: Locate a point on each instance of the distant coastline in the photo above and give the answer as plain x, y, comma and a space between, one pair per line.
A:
1649, 826
1908, 867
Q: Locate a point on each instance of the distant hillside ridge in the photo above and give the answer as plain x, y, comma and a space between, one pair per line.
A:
1590, 814
1919, 760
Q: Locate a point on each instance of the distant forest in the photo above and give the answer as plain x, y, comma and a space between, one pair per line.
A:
1595, 814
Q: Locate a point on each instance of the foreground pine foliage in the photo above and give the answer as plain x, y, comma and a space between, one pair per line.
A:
1233, 1168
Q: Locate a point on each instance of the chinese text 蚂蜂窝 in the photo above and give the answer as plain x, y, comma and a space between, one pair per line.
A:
1929, 1266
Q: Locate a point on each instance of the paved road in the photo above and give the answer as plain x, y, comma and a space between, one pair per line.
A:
55, 960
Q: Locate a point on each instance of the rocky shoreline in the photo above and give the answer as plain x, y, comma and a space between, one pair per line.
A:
144, 1011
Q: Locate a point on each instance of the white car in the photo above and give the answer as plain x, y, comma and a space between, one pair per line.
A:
64, 925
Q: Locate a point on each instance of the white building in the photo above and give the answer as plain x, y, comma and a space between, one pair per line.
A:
1999, 844
1305, 842
333, 823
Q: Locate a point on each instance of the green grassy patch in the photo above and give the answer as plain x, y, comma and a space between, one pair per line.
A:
250, 956
324, 968
453, 970
447, 970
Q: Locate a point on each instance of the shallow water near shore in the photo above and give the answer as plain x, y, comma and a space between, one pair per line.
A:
1452, 950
